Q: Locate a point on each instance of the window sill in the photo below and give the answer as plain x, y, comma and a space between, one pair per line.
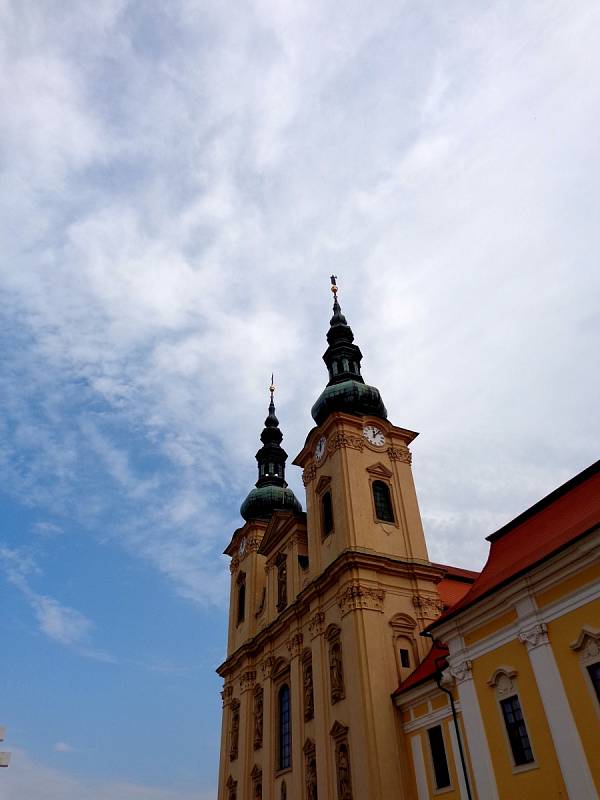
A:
525, 768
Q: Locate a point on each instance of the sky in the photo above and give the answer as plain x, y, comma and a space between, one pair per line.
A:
178, 181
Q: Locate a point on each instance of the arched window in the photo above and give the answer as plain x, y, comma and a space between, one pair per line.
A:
327, 507
285, 728
334, 368
383, 501
345, 365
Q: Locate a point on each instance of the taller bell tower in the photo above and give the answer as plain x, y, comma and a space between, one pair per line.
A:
327, 605
356, 464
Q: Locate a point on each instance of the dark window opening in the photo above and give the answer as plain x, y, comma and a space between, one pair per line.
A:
303, 562
517, 732
345, 365
438, 757
334, 368
383, 501
404, 657
241, 602
327, 513
594, 673
285, 730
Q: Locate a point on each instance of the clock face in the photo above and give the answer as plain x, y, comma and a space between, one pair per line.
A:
374, 435
320, 448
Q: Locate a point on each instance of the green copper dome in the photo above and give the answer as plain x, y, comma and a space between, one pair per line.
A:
349, 396
271, 492
346, 390
262, 501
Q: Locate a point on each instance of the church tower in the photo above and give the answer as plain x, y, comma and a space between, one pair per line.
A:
326, 606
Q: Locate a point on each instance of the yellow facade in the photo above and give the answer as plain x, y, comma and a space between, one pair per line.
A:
332, 688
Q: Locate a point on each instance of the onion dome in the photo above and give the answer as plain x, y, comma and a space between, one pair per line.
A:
346, 390
271, 492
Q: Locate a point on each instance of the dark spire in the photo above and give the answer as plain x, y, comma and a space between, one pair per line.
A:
271, 490
346, 389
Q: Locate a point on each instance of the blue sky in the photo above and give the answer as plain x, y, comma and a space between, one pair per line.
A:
178, 182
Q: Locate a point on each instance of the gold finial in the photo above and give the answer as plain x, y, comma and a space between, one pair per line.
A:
334, 287
272, 387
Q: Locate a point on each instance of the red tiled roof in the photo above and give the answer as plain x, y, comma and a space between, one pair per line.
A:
426, 669
455, 583
568, 513
458, 573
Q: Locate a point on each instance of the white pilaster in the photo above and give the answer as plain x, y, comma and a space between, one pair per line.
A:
483, 771
419, 764
569, 750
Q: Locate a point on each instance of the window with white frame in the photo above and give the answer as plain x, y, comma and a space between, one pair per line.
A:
504, 682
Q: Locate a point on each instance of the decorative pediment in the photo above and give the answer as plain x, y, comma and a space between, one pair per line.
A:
338, 731
502, 678
231, 784
403, 622
256, 772
380, 470
280, 666
309, 747
588, 640
281, 530
332, 632
323, 483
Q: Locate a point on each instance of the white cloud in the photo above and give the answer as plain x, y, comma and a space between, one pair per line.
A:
173, 246
58, 622
63, 747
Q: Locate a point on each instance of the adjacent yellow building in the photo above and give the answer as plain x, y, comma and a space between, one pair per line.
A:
333, 687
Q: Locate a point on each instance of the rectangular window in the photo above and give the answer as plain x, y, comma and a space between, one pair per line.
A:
594, 673
404, 657
517, 732
438, 757
327, 513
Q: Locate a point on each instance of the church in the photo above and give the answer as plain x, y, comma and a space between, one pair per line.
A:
358, 669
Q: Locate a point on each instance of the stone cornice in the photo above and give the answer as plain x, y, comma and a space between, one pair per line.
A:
347, 561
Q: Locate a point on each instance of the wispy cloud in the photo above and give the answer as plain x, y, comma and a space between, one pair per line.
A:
174, 238
63, 747
58, 622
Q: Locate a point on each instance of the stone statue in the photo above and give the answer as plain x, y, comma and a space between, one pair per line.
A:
343, 770
258, 719
282, 585
235, 730
309, 703
311, 779
336, 672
